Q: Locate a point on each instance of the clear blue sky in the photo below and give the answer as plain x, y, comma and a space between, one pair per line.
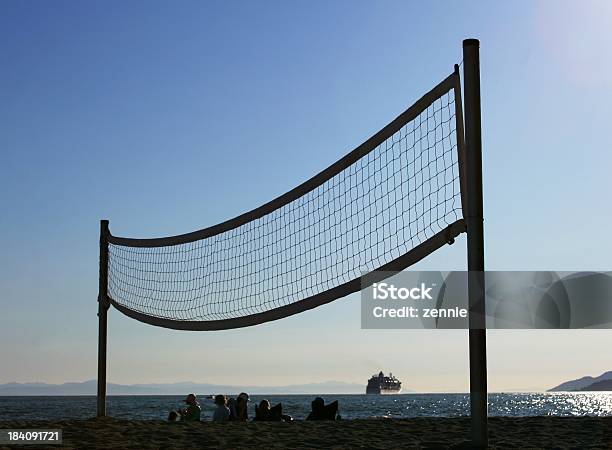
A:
166, 117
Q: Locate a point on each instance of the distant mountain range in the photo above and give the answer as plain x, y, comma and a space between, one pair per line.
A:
600, 383
89, 388
604, 385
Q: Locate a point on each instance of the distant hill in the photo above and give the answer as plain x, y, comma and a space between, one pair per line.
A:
585, 384
604, 385
89, 388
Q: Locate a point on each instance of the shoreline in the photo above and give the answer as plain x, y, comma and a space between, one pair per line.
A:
431, 432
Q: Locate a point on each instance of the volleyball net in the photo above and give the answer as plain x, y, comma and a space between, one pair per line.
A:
384, 206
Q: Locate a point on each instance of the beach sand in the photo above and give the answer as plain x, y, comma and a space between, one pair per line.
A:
529, 432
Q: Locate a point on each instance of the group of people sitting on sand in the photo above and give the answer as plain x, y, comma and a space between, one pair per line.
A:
237, 410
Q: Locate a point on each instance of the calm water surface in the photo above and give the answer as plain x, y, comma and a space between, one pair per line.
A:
351, 406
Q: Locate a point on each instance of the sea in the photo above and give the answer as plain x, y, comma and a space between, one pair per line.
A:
156, 407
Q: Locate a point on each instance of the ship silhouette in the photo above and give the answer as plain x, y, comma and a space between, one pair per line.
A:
383, 385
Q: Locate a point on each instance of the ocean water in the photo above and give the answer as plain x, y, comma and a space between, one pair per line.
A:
298, 406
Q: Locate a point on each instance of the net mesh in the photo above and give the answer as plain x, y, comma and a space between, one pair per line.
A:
395, 197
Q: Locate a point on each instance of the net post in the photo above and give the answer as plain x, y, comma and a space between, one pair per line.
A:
103, 305
475, 244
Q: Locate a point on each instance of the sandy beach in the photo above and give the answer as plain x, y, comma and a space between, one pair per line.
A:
529, 432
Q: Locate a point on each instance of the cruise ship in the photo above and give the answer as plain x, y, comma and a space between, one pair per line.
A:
383, 385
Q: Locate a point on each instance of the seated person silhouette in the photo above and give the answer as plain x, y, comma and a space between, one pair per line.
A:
321, 411
222, 412
238, 408
231, 405
192, 412
264, 413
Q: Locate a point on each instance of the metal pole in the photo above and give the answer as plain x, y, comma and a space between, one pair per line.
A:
103, 306
475, 243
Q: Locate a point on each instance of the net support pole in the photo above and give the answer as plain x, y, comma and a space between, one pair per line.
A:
103, 305
475, 244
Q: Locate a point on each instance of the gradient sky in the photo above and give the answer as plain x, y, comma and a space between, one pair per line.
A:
165, 117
